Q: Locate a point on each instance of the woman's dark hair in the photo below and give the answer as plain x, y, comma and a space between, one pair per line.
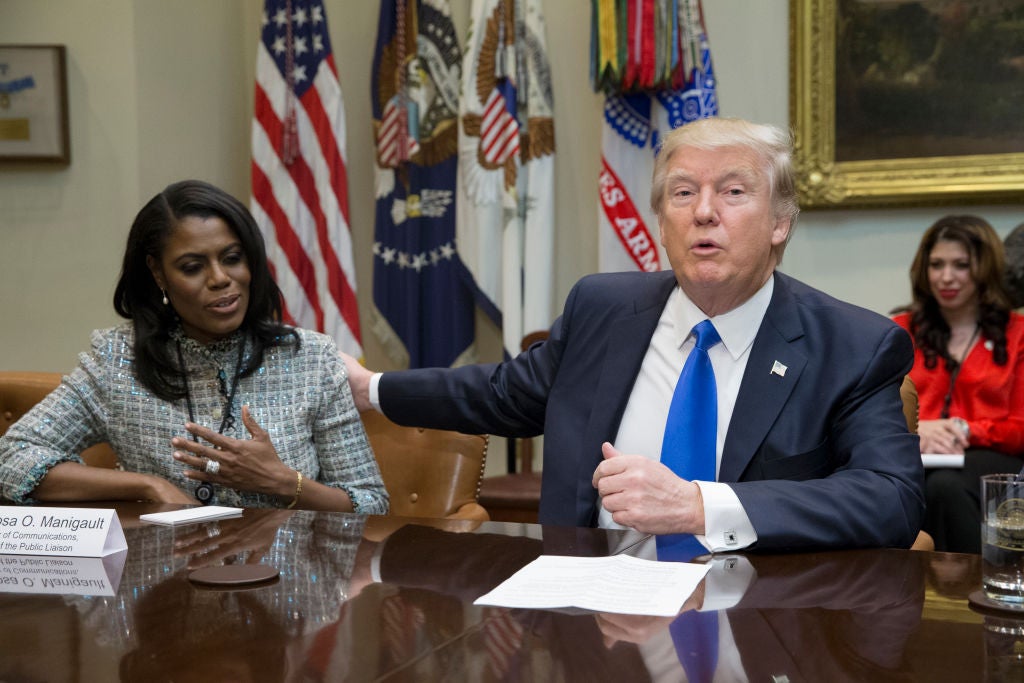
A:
928, 326
139, 299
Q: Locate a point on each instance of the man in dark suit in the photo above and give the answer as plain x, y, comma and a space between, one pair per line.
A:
812, 447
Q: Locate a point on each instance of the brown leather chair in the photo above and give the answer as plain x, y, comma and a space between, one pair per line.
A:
515, 497
19, 391
428, 472
908, 392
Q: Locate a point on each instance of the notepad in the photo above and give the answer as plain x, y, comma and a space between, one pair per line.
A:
191, 515
953, 460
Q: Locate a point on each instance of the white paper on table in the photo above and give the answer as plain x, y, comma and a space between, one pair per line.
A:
955, 460
619, 584
191, 515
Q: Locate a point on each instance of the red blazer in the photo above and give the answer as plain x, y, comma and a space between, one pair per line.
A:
989, 396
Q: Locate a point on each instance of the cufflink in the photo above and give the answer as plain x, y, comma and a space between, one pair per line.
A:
730, 537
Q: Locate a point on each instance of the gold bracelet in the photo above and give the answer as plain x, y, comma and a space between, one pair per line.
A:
298, 489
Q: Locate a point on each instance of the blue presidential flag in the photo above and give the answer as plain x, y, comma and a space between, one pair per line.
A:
423, 311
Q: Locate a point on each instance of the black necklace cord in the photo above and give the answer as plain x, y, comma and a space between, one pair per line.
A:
955, 373
204, 490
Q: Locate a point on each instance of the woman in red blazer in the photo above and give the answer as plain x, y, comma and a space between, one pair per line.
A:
968, 357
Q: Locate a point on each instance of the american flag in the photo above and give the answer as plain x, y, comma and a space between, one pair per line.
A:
499, 129
503, 638
391, 147
299, 180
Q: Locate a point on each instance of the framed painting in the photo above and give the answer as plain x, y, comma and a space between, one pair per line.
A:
34, 104
907, 102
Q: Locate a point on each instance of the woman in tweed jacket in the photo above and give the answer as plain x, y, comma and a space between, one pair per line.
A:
204, 394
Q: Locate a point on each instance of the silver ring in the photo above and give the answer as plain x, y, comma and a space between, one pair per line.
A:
212, 467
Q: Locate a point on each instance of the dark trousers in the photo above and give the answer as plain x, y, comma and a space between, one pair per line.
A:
953, 499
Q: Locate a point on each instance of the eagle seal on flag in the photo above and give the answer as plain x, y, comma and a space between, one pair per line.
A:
511, 83
423, 311
505, 217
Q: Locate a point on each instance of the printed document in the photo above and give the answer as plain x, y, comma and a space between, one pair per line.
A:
619, 584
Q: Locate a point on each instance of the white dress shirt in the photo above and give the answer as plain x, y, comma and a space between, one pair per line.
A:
642, 430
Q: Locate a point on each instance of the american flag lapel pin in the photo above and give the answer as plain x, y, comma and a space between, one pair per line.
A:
779, 369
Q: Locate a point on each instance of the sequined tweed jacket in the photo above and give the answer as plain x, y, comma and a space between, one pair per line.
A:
299, 395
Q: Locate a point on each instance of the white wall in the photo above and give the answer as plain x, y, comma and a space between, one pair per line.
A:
163, 90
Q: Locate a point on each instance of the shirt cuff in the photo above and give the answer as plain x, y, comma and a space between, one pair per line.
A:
726, 524
374, 391
727, 582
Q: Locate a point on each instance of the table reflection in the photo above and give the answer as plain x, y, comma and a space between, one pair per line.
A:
854, 611
391, 599
160, 621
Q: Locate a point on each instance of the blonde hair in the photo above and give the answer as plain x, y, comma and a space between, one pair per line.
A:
771, 144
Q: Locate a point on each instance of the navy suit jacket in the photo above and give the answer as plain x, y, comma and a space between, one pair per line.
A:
818, 457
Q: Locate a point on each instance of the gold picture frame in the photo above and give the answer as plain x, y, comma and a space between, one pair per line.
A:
34, 105
827, 180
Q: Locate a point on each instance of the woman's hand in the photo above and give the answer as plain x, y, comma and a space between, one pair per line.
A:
942, 436
72, 481
221, 542
244, 464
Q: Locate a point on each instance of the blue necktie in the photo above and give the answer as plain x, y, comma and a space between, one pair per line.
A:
689, 450
692, 426
694, 634
695, 637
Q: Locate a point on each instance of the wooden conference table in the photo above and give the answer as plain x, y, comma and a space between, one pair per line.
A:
386, 598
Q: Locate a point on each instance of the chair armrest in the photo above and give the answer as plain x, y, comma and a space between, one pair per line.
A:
473, 511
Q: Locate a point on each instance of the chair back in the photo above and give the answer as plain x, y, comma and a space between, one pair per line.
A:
19, 391
428, 472
515, 497
908, 392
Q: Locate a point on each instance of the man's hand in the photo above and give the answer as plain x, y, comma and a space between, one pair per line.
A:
629, 628
646, 495
639, 628
359, 381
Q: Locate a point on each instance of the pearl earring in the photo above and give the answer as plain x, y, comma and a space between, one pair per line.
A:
166, 300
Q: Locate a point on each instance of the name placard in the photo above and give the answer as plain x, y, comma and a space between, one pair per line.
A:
70, 532
43, 574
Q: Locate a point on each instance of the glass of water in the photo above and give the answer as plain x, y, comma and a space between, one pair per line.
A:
1002, 539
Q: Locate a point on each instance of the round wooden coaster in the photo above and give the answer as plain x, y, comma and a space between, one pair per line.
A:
234, 575
982, 603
